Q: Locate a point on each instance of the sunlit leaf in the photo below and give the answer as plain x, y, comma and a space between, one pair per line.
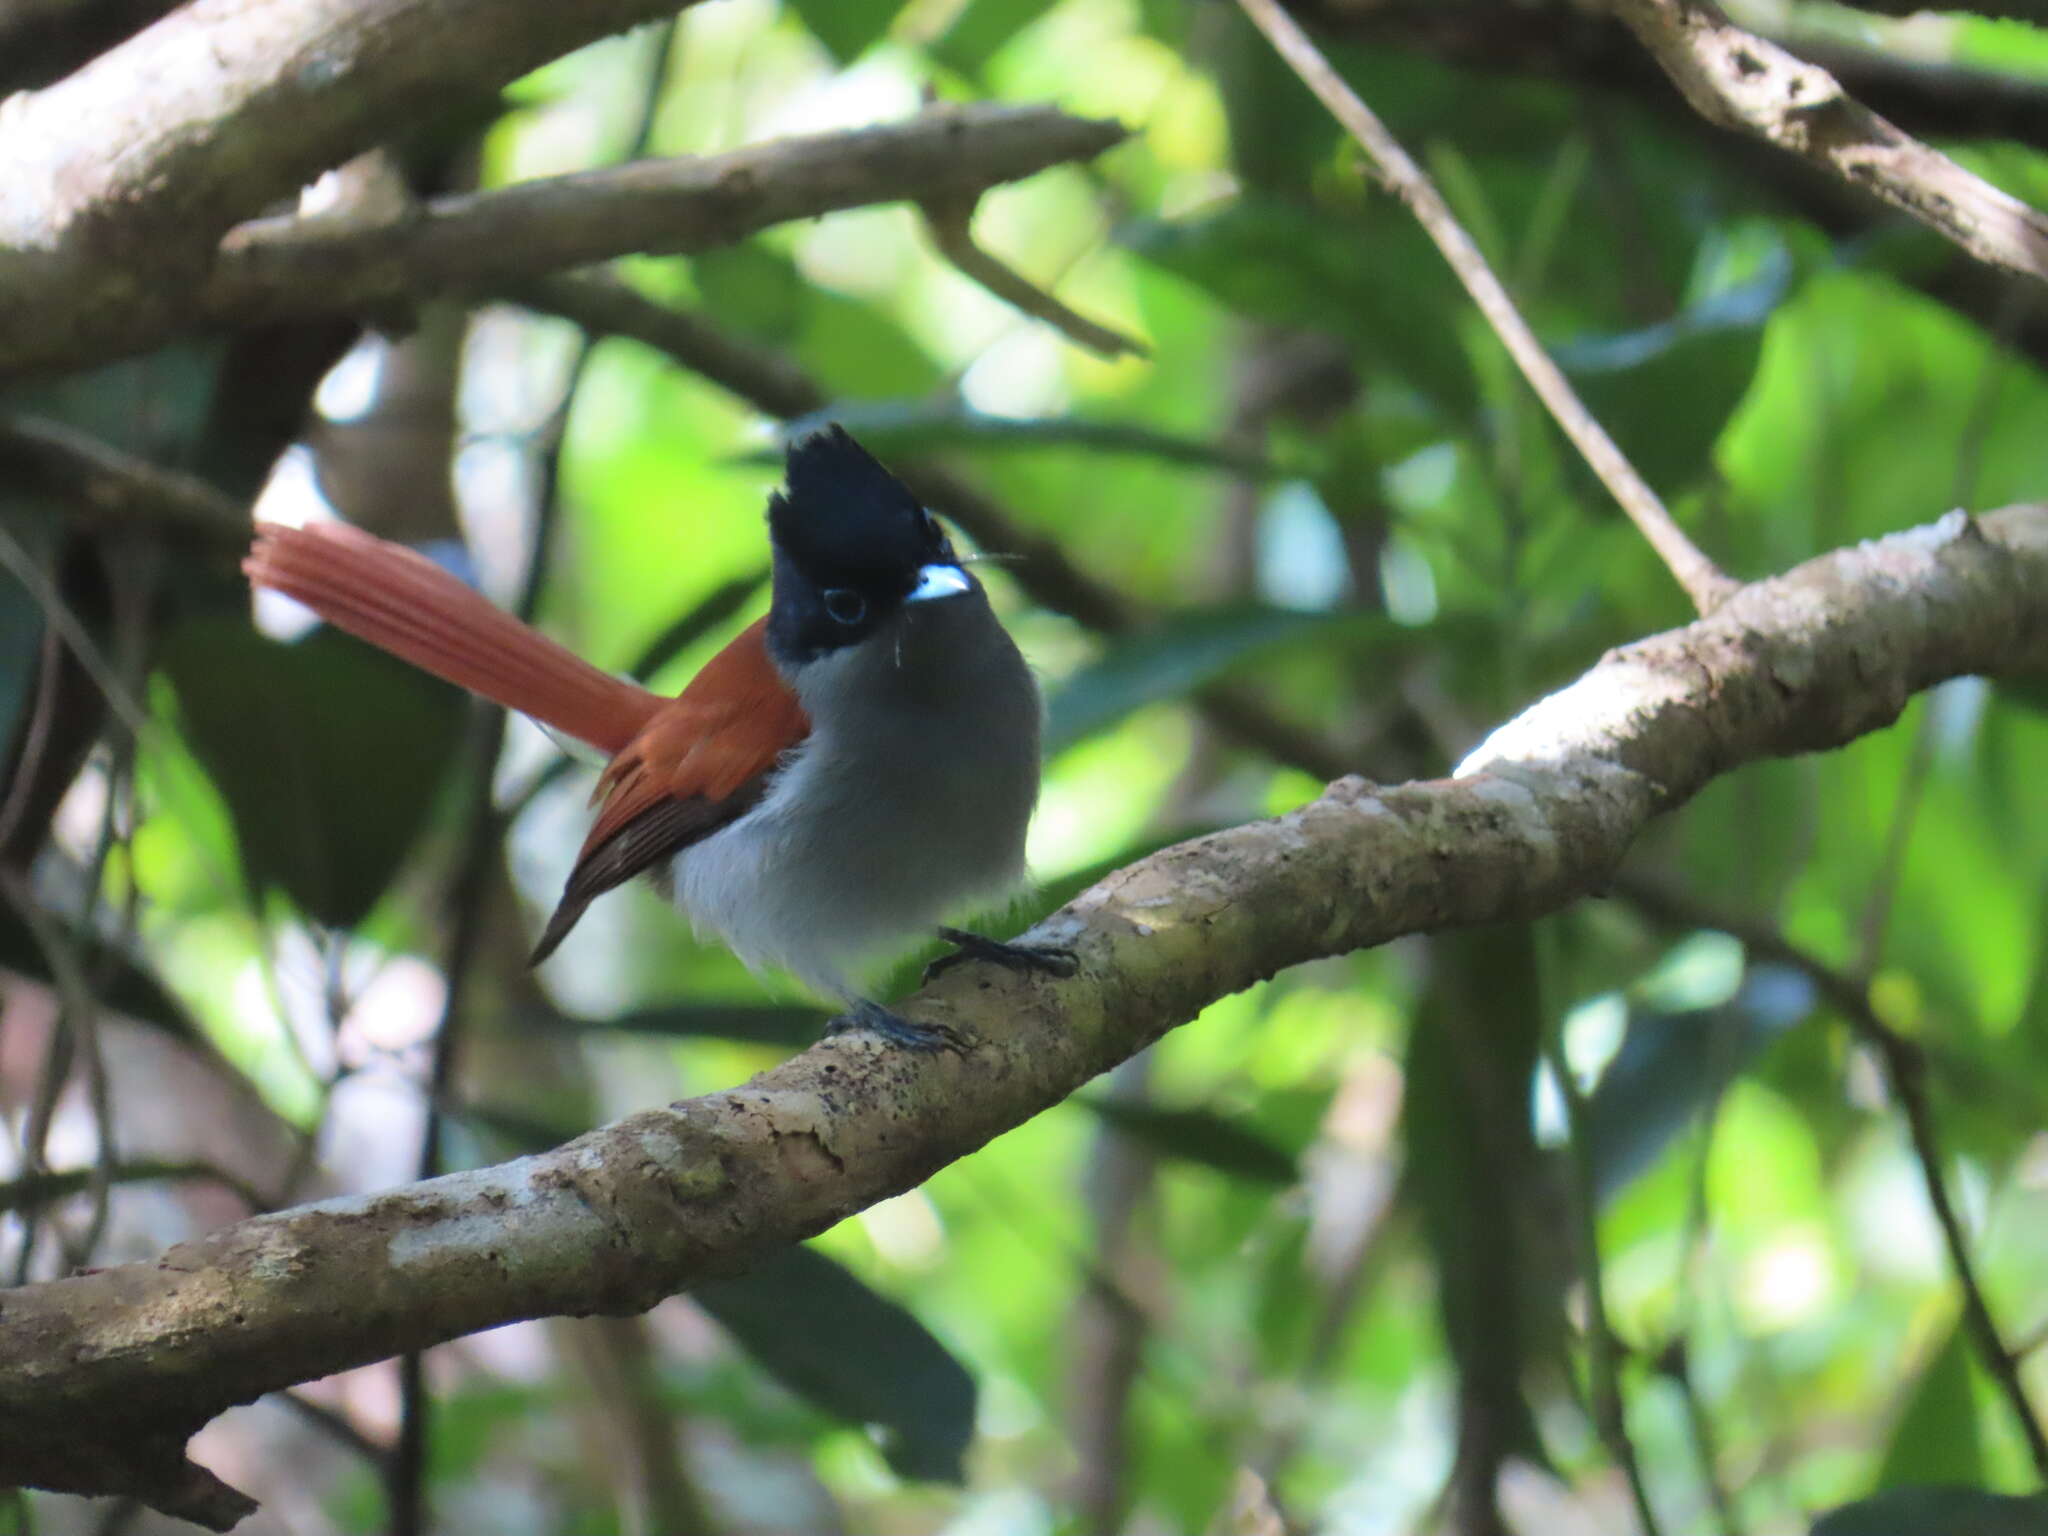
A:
1938, 1439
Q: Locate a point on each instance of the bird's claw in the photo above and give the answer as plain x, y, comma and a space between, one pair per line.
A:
1048, 959
897, 1030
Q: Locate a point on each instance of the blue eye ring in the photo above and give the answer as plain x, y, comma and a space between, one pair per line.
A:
844, 606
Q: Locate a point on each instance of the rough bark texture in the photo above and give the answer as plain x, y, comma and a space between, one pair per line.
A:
1741, 81
273, 268
120, 178
357, 262
104, 1375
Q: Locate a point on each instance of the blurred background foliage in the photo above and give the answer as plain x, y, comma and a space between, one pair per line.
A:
1319, 1261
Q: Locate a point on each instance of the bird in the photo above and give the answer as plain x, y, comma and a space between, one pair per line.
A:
851, 768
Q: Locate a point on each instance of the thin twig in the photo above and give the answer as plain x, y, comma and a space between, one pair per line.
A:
1675, 1366
112, 484
338, 1427
31, 1189
1702, 580
1905, 1070
78, 1022
950, 222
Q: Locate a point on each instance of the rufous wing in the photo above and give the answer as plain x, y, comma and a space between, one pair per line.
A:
704, 759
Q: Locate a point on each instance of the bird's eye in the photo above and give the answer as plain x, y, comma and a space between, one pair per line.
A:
845, 606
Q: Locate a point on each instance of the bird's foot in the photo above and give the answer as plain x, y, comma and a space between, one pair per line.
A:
1047, 959
897, 1030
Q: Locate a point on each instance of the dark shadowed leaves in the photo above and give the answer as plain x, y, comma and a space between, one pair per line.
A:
1181, 655
889, 427
1939, 1512
1205, 1136
1474, 1173
854, 1354
328, 754
979, 29
1665, 391
1373, 281
755, 1023
120, 981
21, 630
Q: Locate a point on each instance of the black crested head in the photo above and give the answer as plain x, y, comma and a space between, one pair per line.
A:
842, 511
849, 540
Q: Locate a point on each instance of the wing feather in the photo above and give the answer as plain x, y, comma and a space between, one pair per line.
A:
704, 760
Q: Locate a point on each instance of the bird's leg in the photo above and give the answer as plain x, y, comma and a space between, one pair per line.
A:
896, 1029
1048, 959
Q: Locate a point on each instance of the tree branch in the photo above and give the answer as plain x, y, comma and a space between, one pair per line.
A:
104, 1375
1739, 80
950, 222
118, 180
367, 260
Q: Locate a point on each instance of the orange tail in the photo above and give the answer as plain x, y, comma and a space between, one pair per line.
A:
401, 602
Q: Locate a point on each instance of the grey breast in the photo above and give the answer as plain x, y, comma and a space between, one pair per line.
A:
932, 728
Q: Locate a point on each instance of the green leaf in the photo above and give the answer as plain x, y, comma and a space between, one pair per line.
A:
328, 754
1671, 1065
1280, 135
1939, 1512
754, 288
853, 1353
1665, 391
21, 631
1164, 663
755, 1023
846, 27
1373, 281
1938, 1438
979, 30
1473, 1169
1205, 1136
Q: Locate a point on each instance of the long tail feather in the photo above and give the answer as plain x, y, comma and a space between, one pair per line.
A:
402, 602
